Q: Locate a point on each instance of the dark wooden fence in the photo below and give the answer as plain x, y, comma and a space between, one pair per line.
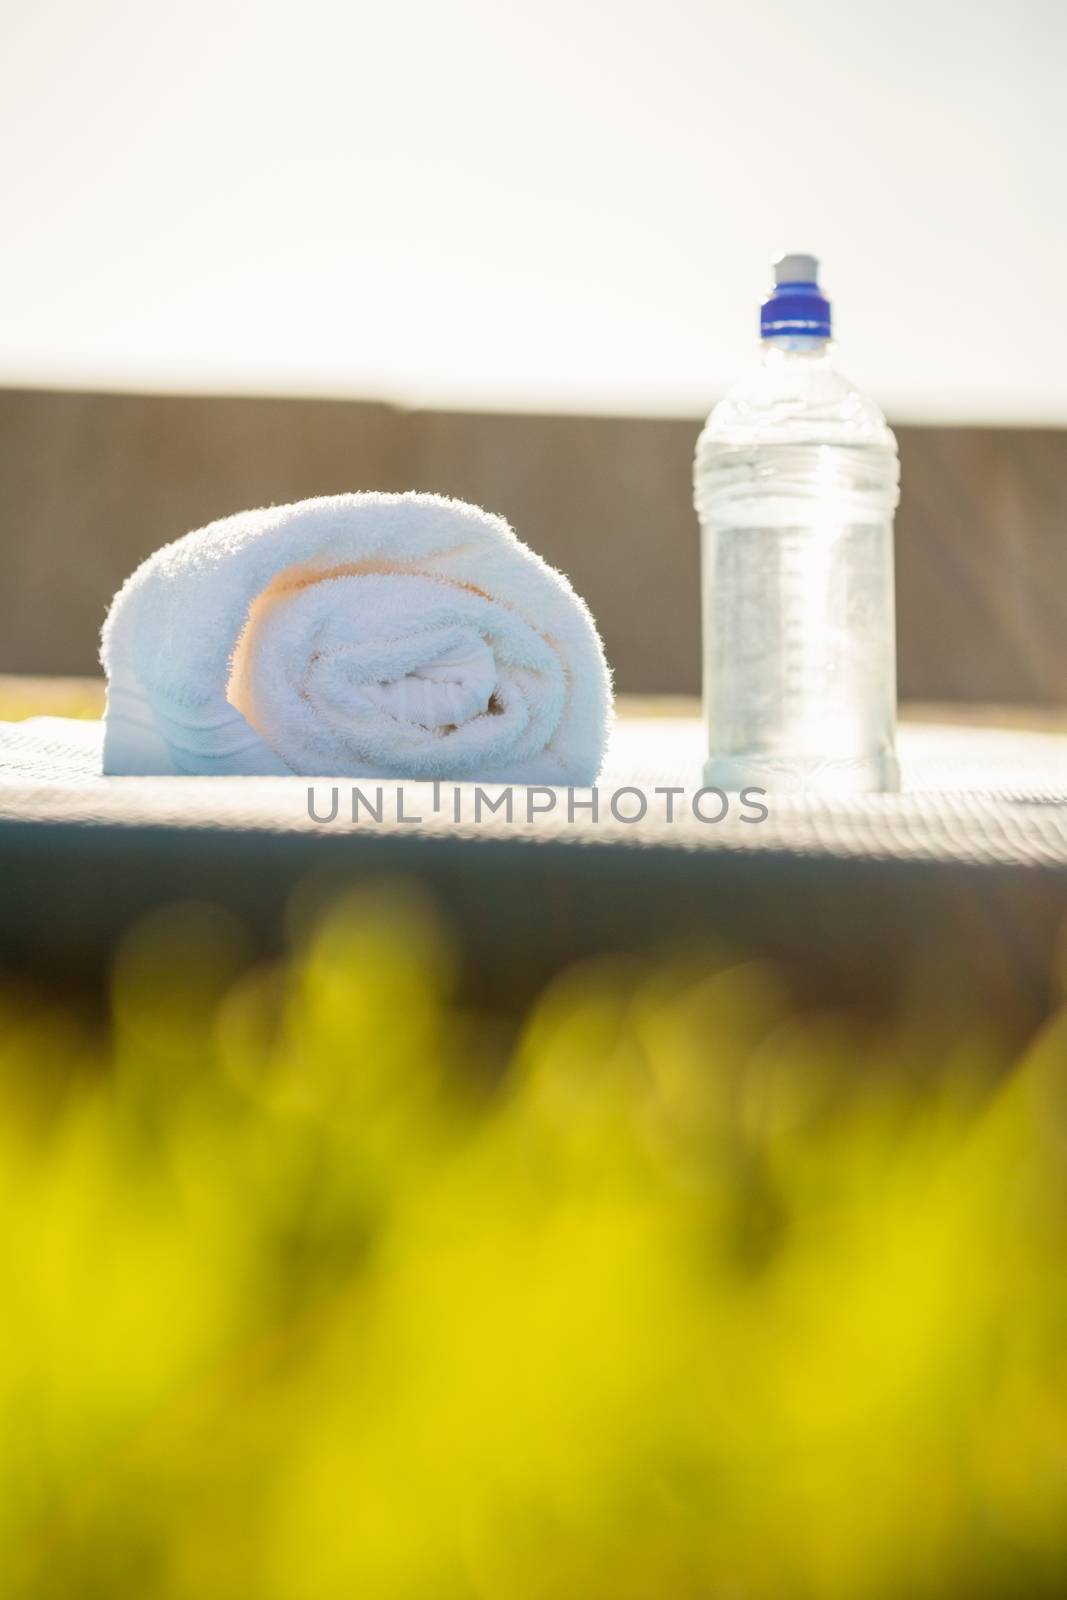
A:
90, 484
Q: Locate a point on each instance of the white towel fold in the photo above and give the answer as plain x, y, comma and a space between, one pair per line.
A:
359, 635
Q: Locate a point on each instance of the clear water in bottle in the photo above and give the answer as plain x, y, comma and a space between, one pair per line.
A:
796, 481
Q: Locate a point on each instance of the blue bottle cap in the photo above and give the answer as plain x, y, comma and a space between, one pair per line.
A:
796, 304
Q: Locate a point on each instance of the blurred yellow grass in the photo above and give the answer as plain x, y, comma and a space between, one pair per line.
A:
312, 1289
23, 696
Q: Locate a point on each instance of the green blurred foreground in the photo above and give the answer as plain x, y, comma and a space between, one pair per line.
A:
305, 1295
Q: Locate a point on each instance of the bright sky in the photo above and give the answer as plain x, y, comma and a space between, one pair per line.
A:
569, 204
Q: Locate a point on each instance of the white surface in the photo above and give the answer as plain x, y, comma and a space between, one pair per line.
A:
561, 205
990, 799
645, 752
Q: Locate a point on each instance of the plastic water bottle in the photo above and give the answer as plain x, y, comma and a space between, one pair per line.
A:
796, 481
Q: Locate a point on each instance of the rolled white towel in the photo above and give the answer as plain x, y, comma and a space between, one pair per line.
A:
357, 635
